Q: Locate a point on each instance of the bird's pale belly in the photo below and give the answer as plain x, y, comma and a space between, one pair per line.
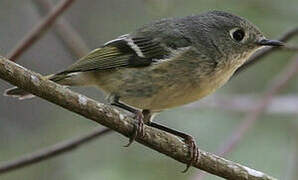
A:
157, 89
168, 98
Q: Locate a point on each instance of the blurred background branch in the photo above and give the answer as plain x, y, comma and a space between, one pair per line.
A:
69, 36
38, 30
44, 154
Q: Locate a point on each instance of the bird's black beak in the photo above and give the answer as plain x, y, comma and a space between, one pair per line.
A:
267, 42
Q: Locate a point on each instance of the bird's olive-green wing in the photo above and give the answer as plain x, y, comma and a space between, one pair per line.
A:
122, 52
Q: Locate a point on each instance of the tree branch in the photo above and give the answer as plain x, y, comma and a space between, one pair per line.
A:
38, 30
71, 38
78, 47
155, 139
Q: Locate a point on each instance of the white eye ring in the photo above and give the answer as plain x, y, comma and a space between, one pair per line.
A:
238, 34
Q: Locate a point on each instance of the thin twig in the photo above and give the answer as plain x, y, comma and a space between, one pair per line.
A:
38, 30
47, 153
69, 36
277, 84
106, 115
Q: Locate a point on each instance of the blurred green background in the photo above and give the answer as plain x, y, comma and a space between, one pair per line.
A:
26, 126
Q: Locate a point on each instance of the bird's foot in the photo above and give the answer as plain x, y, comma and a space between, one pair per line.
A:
138, 128
193, 152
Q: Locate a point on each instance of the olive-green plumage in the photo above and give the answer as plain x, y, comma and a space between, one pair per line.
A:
167, 63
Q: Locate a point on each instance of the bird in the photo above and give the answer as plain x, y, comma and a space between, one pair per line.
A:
165, 64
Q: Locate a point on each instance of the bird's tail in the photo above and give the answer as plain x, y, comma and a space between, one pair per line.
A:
22, 94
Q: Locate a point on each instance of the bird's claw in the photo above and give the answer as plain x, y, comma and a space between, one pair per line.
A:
138, 128
193, 152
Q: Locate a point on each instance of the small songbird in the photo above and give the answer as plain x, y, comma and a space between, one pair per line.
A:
165, 64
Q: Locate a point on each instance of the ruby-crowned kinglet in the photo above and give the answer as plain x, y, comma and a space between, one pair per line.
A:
165, 64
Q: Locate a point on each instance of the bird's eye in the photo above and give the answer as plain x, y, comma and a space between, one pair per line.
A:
237, 34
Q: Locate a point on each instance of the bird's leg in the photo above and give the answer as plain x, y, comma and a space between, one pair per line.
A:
189, 140
145, 117
139, 127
